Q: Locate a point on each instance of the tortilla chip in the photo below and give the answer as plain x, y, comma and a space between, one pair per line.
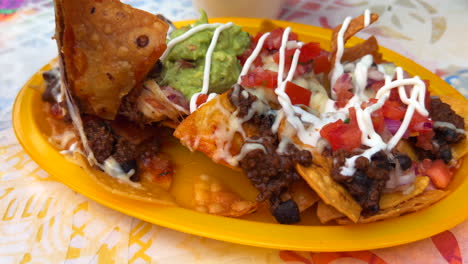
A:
460, 106
210, 129
415, 204
303, 195
211, 196
106, 49
370, 46
146, 190
356, 25
327, 213
390, 200
318, 176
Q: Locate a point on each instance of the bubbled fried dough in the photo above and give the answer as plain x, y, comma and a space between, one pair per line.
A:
106, 50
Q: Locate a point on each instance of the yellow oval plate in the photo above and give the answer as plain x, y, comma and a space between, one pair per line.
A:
443, 215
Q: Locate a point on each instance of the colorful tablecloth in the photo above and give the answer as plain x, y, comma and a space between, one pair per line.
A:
42, 221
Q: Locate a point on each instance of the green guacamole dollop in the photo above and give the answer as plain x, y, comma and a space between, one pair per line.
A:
184, 65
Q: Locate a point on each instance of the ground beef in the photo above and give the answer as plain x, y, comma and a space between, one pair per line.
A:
104, 142
271, 173
128, 108
101, 140
443, 136
240, 101
367, 182
52, 79
441, 111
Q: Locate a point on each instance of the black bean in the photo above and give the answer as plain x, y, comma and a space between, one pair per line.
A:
287, 212
404, 161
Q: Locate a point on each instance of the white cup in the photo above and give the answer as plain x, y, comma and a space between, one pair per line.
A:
240, 8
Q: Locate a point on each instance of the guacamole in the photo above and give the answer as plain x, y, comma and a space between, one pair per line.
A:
184, 65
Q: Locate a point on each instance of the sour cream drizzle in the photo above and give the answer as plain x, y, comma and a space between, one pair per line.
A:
253, 56
209, 53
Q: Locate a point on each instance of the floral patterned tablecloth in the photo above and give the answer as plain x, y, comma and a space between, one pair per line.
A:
43, 221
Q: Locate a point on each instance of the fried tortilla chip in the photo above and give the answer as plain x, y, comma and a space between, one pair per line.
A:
198, 130
318, 176
303, 195
213, 197
146, 190
389, 200
460, 106
213, 130
415, 204
356, 25
370, 46
327, 213
106, 49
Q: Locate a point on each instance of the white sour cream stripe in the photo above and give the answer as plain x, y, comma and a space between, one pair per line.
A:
185, 36
338, 67
366, 18
208, 55
253, 56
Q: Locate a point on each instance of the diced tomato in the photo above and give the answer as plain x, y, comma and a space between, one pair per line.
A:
377, 117
298, 94
273, 42
341, 135
439, 173
322, 64
424, 140
309, 51
393, 110
255, 39
288, 57
420, 123
201, 99
342, 88
260, 77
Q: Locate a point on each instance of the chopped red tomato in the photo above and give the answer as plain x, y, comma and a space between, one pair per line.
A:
377, 117
288, 57
321, 64
420, 123
309, 51
375, 86
342, 88
201, 99
424, 140
438, 171
273, 42
393, 110
260, 77
298, 94
341, 135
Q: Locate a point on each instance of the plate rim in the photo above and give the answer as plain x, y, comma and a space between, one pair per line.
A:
423, 230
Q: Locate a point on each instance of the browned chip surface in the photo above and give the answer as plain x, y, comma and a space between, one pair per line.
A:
146, 190
332, 193
370, 46
389, 200
356, 25
326, 213
415, 204
303, 195
107, 49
